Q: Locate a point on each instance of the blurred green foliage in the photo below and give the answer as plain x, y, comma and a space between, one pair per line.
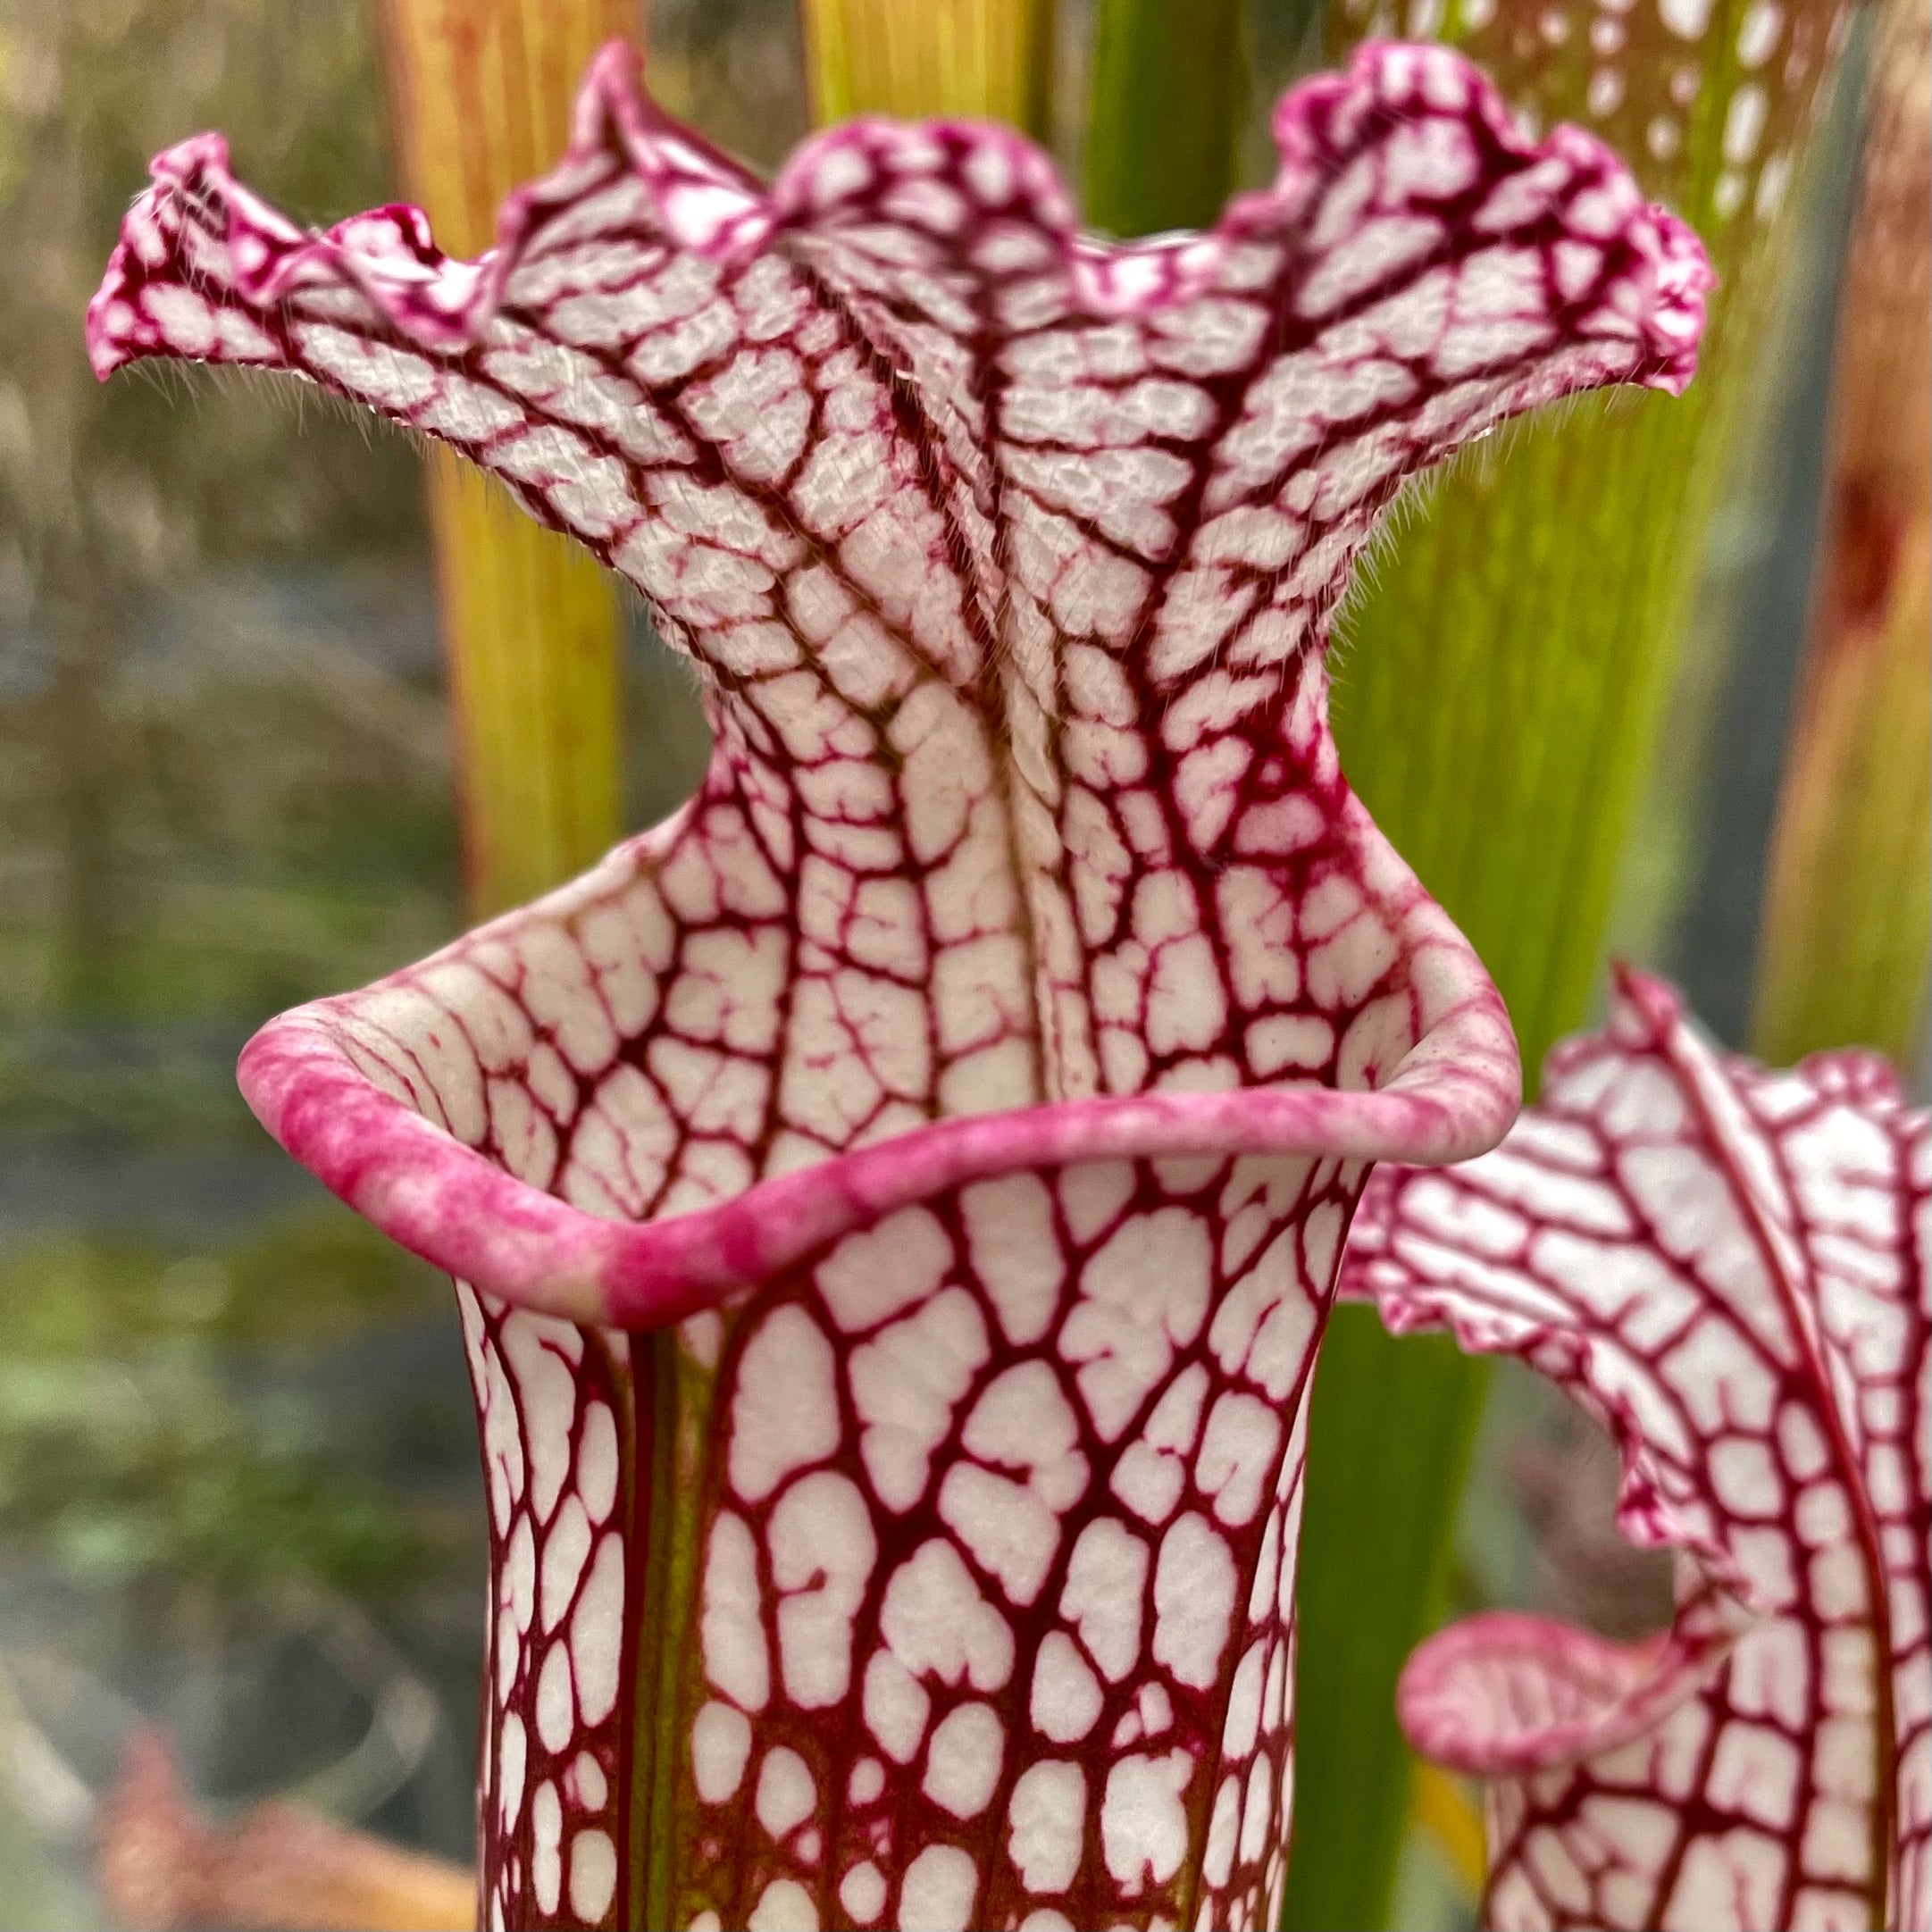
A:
159, 1424
1179, 67
208, 808
223, 788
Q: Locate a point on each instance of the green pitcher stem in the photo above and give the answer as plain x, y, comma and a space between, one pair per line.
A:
989, 59
532, 627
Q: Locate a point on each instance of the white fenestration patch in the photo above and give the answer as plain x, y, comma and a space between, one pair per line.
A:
588, 1783
1238, 1456
1143, 1293
731, 1635
721, 1746
786, 1794
1143, 1822
565, 1550
1048, 1816
542, 1353
784, 1406
597, 1632
905, 1381
593, 1874
1016, 1252
938, 1890
1065, 1699
783, 1906
963, 1760
934, 1619
1106, 1576
822, 1549
513, 1755
862, 1892
879, 1272
1007, 1530
547, 1835
1194, 1588
897, 1706
554, 1699
1153, 1469
1022, 1421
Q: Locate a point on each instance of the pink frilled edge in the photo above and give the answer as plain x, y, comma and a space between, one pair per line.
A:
1451, 1095
709, 206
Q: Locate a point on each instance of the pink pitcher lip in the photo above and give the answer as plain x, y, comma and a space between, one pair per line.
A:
1624, 1690
714, 208
1453, 1095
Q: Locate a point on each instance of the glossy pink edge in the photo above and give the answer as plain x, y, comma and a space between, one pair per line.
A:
1622, 1690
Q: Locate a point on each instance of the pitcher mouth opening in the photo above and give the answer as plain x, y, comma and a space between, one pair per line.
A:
320, 1088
